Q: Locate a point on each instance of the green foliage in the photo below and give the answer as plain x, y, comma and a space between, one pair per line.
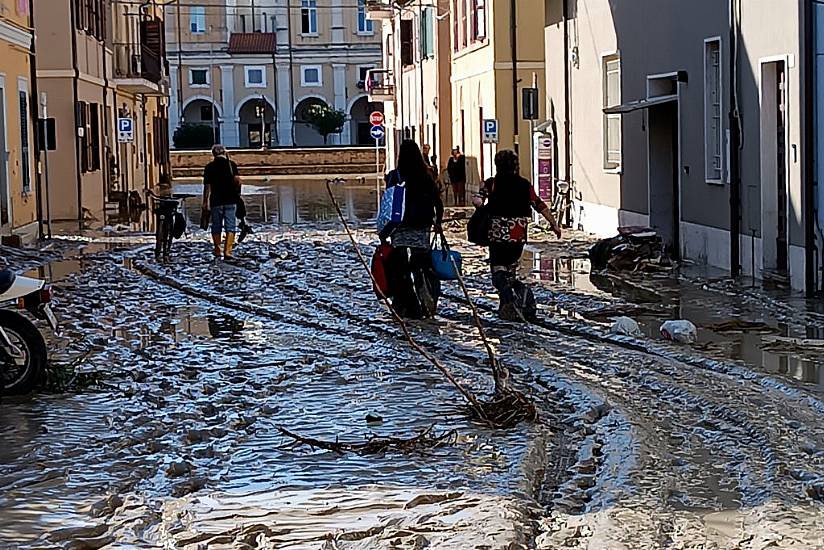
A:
325, 120
193, 136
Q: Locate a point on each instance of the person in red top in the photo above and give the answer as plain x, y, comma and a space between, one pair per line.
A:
510, 199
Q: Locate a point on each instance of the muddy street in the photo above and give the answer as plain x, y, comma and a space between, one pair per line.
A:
179, 377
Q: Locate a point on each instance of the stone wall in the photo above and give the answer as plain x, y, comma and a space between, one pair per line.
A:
274, 162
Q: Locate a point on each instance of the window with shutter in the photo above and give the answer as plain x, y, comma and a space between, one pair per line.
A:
713, 125
24, 141
407, 55
612, 122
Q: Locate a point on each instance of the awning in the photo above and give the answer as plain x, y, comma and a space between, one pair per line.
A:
640, 104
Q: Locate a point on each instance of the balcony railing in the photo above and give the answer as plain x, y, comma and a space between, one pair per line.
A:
134, 61
380, 85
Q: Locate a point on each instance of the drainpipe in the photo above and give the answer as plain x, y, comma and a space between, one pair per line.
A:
291, 69
104, 163
75, 96
567, 111
808, 149
34, 107
735, 140
513, 38
422, 117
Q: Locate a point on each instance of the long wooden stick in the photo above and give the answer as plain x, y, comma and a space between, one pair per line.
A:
500, 380
471, 399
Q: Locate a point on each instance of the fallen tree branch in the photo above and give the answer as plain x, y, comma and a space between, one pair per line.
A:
375, 444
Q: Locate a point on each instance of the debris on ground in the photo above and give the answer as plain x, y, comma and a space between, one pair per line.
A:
427, 439
626, 327
633, 249
681, 331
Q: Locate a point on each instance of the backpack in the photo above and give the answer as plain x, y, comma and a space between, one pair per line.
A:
393, 204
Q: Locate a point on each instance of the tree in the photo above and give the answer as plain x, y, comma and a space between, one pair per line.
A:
193, 136
325, 120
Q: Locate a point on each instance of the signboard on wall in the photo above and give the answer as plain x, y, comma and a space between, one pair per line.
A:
544, 154
125, 130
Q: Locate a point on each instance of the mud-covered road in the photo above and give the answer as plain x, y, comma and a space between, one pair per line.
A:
168, 437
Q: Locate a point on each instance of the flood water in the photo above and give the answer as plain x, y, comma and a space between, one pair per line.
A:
184, 372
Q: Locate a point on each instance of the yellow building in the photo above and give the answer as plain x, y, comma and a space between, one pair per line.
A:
18, 203
111, 66
490, 44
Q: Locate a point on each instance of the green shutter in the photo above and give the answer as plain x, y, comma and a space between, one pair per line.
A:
427, 33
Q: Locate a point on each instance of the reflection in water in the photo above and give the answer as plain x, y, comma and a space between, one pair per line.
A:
224, 325
291, 203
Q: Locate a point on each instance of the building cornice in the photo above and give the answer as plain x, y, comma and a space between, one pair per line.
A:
15, 35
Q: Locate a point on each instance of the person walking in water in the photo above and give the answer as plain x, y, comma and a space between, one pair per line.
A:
412, 280
510, 199
221, 192
456, 169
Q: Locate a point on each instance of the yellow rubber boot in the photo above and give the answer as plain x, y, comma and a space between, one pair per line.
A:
230, 243
216, 241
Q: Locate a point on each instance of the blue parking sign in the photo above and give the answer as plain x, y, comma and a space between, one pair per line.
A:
125, 130
490, 130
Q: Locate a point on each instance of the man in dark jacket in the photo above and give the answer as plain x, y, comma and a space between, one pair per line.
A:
456, 168
221, 191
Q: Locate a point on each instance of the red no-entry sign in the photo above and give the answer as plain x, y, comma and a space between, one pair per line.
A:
376, 118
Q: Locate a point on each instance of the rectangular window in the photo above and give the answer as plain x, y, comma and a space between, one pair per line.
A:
363, 72
255, 77
365, 26
713, 125
197, 19
612, 123
309, 17
311, 75
199, 77
478, 20
456, 33
206, 113
407, 55
464, 25
24, 141
427, 32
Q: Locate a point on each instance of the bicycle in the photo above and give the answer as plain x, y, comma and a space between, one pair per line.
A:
561, 204
166, 210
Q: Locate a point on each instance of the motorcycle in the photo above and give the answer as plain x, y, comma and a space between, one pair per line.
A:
23, 354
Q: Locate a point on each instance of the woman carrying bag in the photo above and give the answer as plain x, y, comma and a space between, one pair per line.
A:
413, 285
505, 206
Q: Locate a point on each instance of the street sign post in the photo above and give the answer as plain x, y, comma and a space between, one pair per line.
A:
376, 118
125, 130
490, 130
378, 133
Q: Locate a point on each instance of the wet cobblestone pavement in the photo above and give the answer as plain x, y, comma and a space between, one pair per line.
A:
188, 369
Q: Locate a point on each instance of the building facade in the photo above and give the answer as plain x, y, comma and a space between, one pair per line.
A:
111, 68
413, 80
18, 198
671, 116
249, 70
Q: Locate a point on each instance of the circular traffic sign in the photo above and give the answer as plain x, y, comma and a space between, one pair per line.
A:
377, 132
376, 118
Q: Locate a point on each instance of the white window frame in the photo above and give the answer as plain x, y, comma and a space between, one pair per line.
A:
247, 69
608, 166
192, 78
711, 174
307, 84
197, 20
366, 26
312, 7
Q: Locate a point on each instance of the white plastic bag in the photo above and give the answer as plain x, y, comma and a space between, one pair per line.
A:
626, 326
681, 331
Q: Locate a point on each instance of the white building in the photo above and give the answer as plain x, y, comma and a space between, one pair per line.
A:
246, 68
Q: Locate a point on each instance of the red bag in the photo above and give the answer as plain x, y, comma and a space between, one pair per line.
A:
380, 262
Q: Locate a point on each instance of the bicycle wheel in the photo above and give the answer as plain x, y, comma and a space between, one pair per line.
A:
167, 246
160, 237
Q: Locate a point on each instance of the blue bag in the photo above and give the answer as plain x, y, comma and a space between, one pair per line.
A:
445, 262
393, 204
